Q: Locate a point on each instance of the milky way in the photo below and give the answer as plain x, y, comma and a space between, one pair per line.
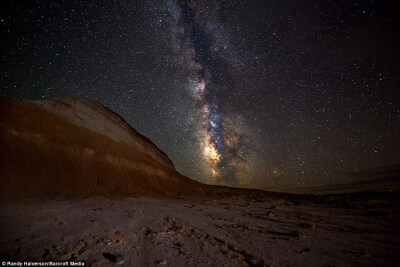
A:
219, 135
246, 93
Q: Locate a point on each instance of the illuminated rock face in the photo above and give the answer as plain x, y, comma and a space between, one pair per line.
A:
77, 147
94, 116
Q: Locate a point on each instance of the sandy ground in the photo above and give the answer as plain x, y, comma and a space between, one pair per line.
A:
184, 232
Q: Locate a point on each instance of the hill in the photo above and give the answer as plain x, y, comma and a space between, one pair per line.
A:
78, 147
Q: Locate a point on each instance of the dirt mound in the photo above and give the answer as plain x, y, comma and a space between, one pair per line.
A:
77, 147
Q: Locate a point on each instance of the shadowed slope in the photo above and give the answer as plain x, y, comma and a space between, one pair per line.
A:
77, 147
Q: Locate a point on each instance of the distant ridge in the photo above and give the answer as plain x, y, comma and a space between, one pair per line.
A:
78, 147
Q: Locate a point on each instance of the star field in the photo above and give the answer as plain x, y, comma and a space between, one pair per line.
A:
243, 93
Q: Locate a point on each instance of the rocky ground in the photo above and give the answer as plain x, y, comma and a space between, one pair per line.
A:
228, 231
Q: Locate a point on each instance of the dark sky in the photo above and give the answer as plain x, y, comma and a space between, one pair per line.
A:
246, 93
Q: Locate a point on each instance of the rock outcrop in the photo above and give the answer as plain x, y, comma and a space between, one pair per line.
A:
77, 147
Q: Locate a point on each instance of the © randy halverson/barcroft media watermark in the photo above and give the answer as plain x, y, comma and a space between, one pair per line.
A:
43, 263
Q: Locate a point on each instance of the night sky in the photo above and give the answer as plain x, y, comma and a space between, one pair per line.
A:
243, 93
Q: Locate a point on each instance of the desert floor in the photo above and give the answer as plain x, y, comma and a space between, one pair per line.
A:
234, 231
